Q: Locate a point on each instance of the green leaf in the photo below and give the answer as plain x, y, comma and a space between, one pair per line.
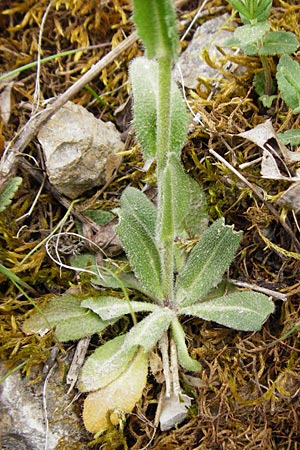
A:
150, 330
66, 315
184, 358
166, 227
279, 42
207, 263
105, 405
155, 21
259, 82
144, 81
112, 307
288, 78
143, 76
250, 49
250, 34
267, 100
252, 10
101, 217
8, 192
187, 209
112, 358
291, 137
241, 310
105, 365
106, 276
189, 201
136, 230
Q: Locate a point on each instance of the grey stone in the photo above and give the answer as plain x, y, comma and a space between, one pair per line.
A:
22, 418
208, 35
77, 147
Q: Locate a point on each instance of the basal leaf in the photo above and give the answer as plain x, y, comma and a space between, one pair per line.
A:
184, 358
8, 192
105, 365
120, 395
155, 21
207, 263
288, 76
106, 276
112, 358
278, 43
66, 315
144, 82
150, 330
187, 209
166, 226
243, 310
189, 204
112, 307
179, 195
136, 230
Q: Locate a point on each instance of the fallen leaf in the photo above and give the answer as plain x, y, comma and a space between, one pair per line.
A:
269, 168
263, 133
291, 197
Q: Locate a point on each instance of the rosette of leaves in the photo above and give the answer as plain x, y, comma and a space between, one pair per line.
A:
255, 37
173, 283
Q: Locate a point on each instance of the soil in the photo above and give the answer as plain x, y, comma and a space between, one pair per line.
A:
247, 395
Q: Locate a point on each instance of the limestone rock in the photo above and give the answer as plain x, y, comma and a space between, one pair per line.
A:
77, 147
22, 414
209, 35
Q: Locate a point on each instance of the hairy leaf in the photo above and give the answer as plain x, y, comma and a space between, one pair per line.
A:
150, 330
8, 192
109, 277
120, 395
288, 76
144, 81
105, 365
250, 34
66, 315
155, 21
186, 213
207, 263
112, 307
136, 230
189, 202
112, 358
278, 43
243, 310
184, 358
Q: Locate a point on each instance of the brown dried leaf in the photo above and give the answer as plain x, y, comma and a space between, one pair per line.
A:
5, 102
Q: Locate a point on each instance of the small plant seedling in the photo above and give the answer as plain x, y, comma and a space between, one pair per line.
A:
173, 283
255, 38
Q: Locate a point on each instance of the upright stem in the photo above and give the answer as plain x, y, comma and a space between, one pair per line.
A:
164, 200
267, 72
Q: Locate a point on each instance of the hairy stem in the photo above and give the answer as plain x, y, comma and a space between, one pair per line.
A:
164, 201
